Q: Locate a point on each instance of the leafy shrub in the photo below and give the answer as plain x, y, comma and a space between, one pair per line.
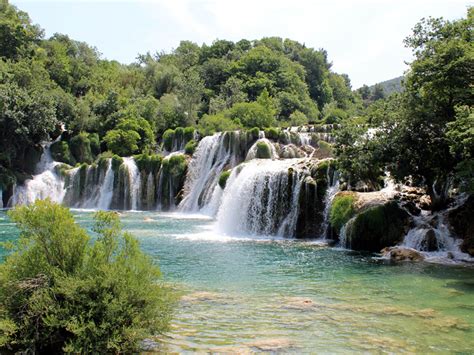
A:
61, 293
223, 178
60, 152
122, 142
210, 124
80, 146
190, 147
342, 210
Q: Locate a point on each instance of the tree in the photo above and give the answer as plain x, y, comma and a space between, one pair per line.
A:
60, 293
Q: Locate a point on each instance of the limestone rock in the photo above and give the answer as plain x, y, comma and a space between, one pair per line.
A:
402, 254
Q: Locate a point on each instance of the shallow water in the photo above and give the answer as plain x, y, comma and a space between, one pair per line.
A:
264, 294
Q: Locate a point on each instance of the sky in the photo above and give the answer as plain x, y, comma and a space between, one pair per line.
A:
363, 38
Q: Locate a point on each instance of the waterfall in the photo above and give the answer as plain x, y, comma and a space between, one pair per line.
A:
261, 197
213, 154
107, 188
132, 188
47, 183
1, 198
332, 190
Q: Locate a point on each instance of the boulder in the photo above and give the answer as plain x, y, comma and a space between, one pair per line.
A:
402, 254
461, 222
430, 242
377, 227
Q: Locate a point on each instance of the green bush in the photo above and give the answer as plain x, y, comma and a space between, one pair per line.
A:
263, 151
342, 210
223, 178
80, 146
253, 134
175, 166
94, 143
61, 293
60, 152
190, 147
325, 148
168, 137
122, 142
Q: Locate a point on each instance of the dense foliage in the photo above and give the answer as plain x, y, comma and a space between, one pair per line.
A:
59, 292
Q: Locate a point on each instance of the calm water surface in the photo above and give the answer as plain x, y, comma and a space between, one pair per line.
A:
242, 294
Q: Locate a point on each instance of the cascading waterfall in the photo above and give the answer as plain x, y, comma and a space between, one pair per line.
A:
47, 183
332, 190
261, 198
212, 156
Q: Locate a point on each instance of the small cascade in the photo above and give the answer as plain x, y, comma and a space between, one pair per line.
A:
1, 198
47, 183
332, 190
132, 187
261, 198
431, 236
107, 188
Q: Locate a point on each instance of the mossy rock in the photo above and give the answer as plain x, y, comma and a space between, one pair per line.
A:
342, 209
223, 178
263, 151
272, 133
60, 152
31, 158
175, 166
116, 162
148, 163
190, 147
62, 169
253, 134
168, 137
188, 133
377, 227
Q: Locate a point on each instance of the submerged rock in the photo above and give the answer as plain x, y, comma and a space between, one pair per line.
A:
402, 254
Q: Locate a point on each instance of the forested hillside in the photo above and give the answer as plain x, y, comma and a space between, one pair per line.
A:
53, 84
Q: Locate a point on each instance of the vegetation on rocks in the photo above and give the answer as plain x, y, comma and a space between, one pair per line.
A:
342, 210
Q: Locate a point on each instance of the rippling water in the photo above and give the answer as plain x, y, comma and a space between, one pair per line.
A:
242, 294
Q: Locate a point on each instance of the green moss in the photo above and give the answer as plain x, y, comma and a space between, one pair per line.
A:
60, 152
272, 133
342, 210
283, 138
179, 134
223, 178
168, 137
263, 151
377, 227
116, 162
190, 147
148, 163
188, 134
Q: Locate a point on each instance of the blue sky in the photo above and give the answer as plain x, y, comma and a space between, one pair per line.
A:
363, 38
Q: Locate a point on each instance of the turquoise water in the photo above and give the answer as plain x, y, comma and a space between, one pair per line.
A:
243, 295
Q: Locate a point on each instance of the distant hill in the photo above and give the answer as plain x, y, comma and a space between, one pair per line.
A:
390, 86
